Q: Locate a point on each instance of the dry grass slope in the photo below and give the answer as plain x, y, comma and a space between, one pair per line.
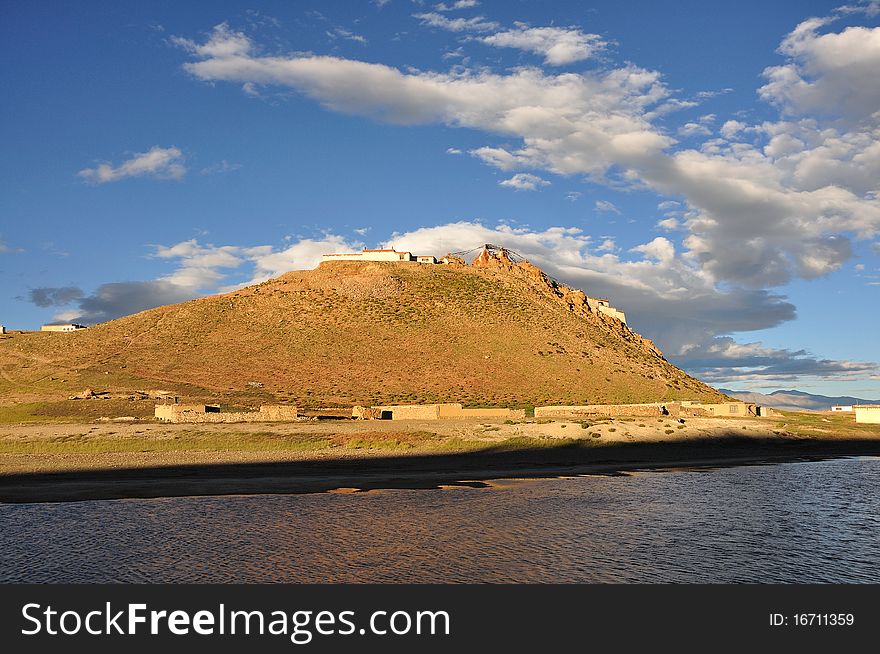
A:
367, 333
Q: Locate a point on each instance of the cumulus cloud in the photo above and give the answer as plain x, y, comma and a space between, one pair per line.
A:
827, 74
571, 124
693, 129
158, 162
558, 45
524, 182
669, 224
751, 221
607, 207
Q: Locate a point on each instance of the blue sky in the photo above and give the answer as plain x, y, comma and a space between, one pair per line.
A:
711, 167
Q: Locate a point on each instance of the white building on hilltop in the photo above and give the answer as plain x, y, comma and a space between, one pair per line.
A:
378, 255
69, 327
604, 306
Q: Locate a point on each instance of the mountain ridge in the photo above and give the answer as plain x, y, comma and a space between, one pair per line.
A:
795, 400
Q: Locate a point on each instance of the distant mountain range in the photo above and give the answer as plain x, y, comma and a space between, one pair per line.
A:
795, 400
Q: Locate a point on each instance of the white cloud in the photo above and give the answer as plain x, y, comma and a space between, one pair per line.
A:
573, 196
453, 151
607, 207
459, 4
223, 42
756, 212
472, 24
669, 224
827, 74
524, 182
661, 249
868, 7
558, 45
731, 128
668, 205
219, 168
693, 129
161, 163
342, 33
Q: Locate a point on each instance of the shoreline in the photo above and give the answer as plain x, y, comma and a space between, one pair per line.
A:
415, 471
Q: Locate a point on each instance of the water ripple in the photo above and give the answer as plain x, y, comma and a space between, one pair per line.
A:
800, 522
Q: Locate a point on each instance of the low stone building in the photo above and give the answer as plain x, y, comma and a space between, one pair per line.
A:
842, 408
720, 409
369, 255
173, 412
867, 413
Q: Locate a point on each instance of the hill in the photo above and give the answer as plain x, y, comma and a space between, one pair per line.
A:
796, 400
493, 333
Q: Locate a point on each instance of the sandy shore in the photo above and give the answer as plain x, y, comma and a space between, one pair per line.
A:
423, 457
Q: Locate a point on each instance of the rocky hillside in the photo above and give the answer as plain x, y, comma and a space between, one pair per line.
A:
495, 332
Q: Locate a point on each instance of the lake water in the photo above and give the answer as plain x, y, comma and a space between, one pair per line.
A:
792, 522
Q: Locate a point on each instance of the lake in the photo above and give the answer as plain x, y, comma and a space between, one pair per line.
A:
804, 522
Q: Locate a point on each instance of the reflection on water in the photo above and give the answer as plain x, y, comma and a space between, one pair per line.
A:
795, 522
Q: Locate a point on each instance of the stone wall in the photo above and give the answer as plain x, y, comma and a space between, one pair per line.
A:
411, 411
435, 412
608, 410
456, 411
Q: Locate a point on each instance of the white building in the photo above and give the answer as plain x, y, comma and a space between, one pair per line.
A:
379, 255
604, 306
70, 327
842, 408
867, 413
370, 255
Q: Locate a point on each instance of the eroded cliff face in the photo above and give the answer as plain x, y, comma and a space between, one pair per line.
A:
499, 262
